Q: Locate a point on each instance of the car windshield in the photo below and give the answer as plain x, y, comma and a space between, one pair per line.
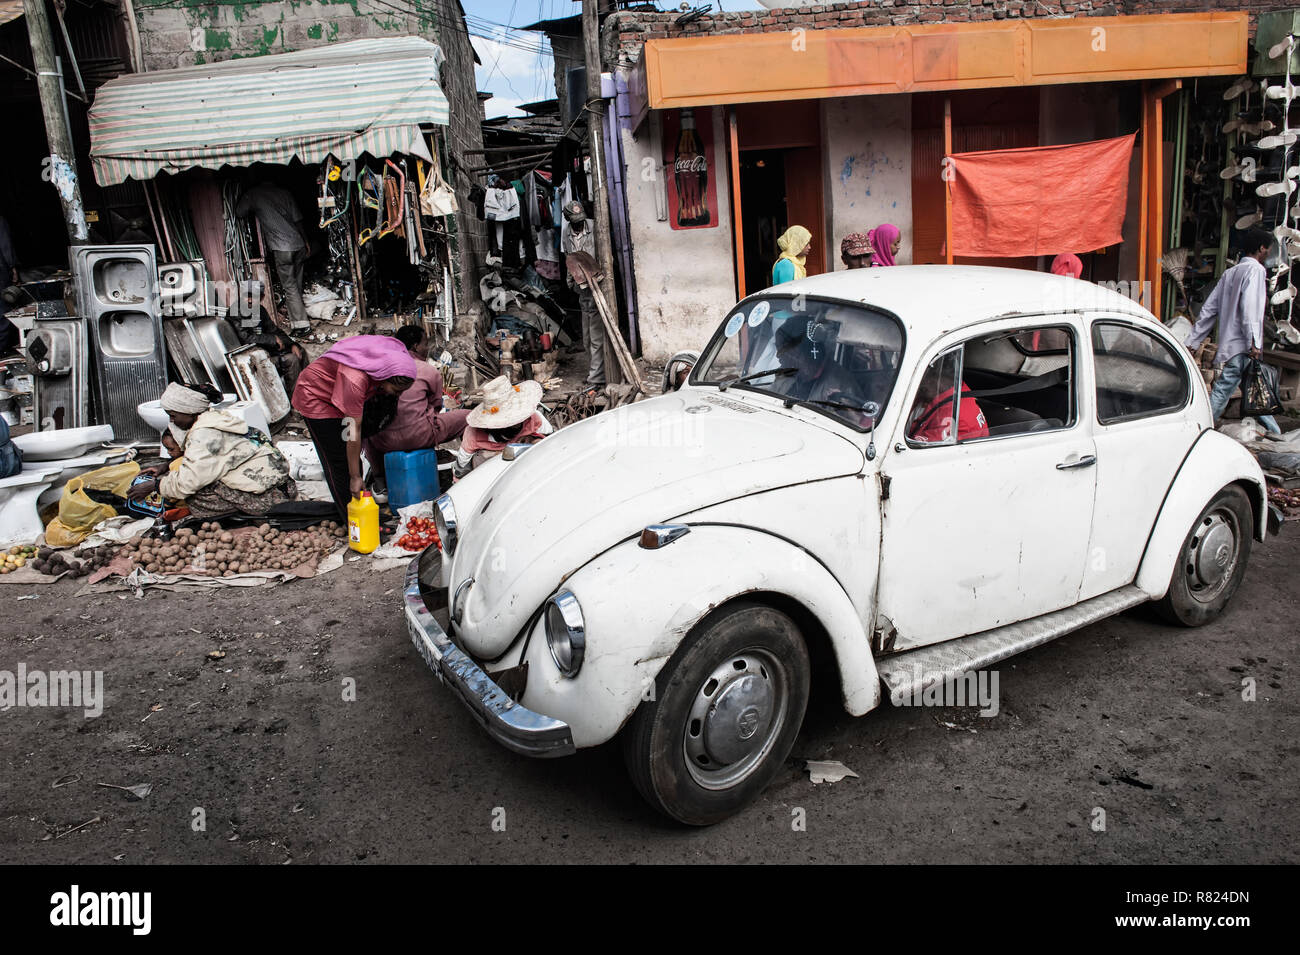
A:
836, 358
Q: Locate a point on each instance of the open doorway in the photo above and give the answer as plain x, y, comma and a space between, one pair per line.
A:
762, 196
780, 185
778, 188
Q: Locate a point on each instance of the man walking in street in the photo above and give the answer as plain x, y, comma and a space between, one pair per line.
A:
282, 231
577, 237
1237, 304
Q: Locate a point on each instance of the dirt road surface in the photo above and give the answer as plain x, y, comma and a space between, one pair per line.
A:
258, 756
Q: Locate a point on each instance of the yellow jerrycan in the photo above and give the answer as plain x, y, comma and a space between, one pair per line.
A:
363, 523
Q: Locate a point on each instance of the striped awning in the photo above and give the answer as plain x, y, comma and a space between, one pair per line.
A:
367, 96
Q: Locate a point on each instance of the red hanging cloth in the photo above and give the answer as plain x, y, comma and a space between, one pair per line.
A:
1041, 200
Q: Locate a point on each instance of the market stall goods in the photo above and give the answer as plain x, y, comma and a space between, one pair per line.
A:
15, 558
214, 552
52, 563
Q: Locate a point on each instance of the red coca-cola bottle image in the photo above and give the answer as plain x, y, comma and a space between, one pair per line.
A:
691, 174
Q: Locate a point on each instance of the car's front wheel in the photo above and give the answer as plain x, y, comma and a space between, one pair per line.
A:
1212, 562
726, 711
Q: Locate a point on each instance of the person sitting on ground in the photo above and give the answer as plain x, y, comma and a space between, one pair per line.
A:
11, 456
856, 251
931, 421
508, 415
226, 465
419, 421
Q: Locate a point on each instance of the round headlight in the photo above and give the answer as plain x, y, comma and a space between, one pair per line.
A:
444, 519
565, 633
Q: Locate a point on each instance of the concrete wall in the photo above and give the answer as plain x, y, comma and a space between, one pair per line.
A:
868, 174
175, 33
685, 278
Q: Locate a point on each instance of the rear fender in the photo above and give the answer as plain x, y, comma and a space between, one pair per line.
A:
1214, 462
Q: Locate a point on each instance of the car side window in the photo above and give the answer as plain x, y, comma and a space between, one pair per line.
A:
1011, 382
929, 422
1138, 374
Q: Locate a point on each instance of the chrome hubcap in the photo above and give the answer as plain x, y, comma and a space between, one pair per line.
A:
1212, 555
735, 718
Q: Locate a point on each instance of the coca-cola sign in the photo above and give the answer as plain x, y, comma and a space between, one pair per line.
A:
692, 184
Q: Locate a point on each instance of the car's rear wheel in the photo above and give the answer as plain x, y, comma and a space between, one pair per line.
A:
726, 711
1212, 562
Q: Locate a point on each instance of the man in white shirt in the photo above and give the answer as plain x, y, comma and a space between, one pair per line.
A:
1237, 304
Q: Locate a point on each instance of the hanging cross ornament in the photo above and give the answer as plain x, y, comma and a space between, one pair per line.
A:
812, 329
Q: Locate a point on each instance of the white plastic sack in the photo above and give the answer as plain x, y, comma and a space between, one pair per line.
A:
304, 464
404, 515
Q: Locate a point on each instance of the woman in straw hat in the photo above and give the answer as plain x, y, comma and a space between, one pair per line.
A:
508, 415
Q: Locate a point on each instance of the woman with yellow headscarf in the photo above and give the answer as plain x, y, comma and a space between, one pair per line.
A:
794, 244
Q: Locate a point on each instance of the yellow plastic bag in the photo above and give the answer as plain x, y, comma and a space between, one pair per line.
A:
78, 514
116, 478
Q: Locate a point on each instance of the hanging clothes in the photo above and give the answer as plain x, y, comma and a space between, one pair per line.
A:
501, 205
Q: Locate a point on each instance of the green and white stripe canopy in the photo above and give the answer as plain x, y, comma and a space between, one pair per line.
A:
367, 96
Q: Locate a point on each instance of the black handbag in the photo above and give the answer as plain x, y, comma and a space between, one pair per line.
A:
1259, 390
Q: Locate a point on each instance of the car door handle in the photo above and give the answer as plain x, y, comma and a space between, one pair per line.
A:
1083, 461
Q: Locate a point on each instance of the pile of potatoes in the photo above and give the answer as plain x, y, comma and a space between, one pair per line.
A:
214, 552
52, 562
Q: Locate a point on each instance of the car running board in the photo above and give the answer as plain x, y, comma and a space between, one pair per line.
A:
908, 674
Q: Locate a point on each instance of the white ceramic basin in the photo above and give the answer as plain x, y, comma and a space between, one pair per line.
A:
64, 443
154, 416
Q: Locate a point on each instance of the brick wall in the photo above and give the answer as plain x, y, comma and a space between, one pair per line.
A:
177, 33
625, 33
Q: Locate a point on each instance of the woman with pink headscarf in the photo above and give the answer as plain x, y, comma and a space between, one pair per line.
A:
331, 395
1069, 264
885, 240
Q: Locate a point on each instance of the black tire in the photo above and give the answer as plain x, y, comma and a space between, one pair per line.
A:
1213, 561
679, 746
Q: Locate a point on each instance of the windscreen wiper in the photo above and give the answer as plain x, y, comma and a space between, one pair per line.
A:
737, 379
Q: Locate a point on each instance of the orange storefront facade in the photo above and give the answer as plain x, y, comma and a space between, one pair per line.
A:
842, 129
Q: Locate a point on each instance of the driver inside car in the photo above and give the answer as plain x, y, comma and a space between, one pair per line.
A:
807, 345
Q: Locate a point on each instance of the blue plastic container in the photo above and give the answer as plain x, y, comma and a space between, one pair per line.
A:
412, 477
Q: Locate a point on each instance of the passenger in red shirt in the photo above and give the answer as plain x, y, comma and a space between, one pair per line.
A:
934, 424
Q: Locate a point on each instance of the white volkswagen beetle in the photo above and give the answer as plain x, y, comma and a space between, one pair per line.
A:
910, 472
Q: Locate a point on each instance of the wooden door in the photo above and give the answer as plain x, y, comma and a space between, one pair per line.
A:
803, 201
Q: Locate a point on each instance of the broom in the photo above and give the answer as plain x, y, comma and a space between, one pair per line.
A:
1174, 263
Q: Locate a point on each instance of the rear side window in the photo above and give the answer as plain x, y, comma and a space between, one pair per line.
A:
1138, 375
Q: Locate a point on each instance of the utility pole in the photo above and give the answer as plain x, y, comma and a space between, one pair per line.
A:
60, 166
596, 140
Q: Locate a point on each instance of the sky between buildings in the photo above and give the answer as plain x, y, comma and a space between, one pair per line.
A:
517, 65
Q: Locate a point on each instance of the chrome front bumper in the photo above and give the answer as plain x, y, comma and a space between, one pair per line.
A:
513, 726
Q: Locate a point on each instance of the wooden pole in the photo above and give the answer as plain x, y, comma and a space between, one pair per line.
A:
947, 185
737, 232
62, 160
1142, 201
600, 199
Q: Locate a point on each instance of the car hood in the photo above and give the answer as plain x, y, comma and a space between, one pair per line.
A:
600, 481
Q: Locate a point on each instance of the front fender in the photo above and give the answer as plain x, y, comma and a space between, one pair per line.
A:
638, 605
1214, 462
